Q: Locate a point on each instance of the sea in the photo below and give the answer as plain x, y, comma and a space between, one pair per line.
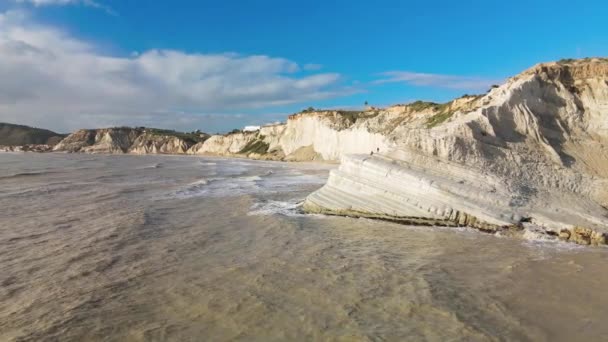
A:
188, 248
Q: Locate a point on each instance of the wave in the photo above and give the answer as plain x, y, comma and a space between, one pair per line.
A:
47, 189
285, 208
222, 187
290, 208
193, 189
537, 237
207, 163
235, 180
152, 166
29, 174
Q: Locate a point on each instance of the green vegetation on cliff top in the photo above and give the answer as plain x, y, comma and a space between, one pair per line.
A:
189, 137
573, 60
440, 117
256, 146
442, 111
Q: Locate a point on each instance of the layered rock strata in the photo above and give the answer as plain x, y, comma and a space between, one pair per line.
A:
160, 144
105, 140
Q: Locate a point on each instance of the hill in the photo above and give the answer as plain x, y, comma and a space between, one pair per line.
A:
18, 135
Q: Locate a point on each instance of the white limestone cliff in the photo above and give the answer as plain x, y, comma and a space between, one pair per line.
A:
105, 140
532, 151
317, 135
332, 134
159, 144
224, 145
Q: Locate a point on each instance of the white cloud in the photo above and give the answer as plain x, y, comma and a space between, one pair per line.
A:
88, 3
438, 80
50, 79
48, 2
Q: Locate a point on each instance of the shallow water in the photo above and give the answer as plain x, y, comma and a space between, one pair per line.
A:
156, 248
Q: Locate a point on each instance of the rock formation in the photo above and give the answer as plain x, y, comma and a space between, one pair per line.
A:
533, 151
259, 144
40, 148
148, 143
332, 134
105, 140
315, 135
129, 140
19, 135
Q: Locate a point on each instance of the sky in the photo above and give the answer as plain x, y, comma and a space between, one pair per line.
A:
219, 65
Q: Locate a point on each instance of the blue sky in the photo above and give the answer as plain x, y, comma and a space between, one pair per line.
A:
216, 65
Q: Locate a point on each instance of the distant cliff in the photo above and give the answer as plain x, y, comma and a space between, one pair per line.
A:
19, 135
323, 135
315, 135
261, 144
129, 140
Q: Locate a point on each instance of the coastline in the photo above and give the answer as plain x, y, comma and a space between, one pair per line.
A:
575, 235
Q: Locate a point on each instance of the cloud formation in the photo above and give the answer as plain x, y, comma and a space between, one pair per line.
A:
50, 79
438, 80
88, 3
53, 2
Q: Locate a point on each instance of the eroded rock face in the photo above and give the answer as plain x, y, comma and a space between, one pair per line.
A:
534, 150
159, 144
128, 140
332, 134
263, 144
319, 135
224, 145
105, 140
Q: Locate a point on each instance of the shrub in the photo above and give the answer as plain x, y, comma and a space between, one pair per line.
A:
191, 138
443, 113
419, 106
255, 146
439, 118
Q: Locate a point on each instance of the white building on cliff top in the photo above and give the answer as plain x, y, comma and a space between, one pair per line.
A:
251, 128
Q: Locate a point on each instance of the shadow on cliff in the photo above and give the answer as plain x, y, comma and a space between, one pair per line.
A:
534, 112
